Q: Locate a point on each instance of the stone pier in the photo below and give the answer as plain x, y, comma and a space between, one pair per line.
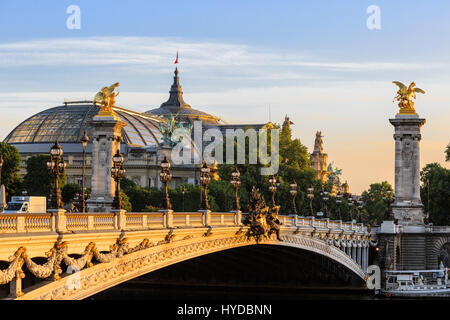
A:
407, 208
106, 138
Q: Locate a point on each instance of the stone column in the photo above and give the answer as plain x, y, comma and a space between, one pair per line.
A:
407, 208
106, 138
358, 256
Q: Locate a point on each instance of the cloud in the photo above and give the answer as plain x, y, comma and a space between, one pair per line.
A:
155, 52
318, 93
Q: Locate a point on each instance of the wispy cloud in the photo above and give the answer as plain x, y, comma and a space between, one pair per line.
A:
155, 52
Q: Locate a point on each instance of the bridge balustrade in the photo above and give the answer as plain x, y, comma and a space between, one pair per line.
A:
49, 222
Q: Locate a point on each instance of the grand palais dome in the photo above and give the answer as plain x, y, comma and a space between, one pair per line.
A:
67, 123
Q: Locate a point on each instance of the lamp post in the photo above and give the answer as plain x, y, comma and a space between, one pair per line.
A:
325, 199
76, 203
117, 173
236, 183
388, 200
350, 206
56, 166
84, 141
293, 192
183, 191
165, 177
339, 201
205, 179
278, 188
273, 189
311, 197
1, 166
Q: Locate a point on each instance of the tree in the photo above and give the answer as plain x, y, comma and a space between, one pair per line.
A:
10, 170
69, 190
126, 201
435, 193
38, 181
294, 161
376, 202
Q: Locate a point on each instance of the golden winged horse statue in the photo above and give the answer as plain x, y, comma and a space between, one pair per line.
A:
405, 96
106, 98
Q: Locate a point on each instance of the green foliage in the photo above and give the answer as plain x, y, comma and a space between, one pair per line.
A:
376, 203
292, 151
38, 181
221, 193
69, 190
10, 171
126, 201
294, 165
435, 193
191, 198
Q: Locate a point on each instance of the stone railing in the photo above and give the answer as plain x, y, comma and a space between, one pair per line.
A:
63, 222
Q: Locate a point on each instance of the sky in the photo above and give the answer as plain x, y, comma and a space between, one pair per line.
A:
316, 61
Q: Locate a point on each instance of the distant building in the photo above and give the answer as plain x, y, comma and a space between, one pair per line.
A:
325, 172
142, 137
319, 159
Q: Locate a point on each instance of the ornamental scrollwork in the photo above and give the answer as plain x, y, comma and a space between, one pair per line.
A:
58, 254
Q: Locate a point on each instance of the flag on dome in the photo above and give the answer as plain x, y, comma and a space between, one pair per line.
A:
176, 61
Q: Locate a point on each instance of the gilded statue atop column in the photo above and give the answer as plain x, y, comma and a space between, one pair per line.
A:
405, 96
106, 98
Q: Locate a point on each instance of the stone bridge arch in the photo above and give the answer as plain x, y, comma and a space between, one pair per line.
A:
438, 249
102, 276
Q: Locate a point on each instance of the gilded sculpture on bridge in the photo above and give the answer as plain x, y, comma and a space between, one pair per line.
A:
405, 96
263, 222
106, 97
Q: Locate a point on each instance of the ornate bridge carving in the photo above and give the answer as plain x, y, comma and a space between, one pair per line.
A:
131, 246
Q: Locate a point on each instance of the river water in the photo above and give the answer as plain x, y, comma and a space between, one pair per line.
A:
151, 291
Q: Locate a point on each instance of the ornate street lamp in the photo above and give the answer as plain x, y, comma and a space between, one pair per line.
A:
325, 199
205, 179
293, 192
1, 166
56, 166
236, 183
84, 141
165, 177
273, 189
350, 206
339, 201
278, 188
311, 197
359, 208
117, 173
183, 191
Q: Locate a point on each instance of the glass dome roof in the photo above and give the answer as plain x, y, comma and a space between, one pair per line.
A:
68, 122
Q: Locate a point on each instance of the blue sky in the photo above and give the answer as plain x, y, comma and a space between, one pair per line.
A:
314, 60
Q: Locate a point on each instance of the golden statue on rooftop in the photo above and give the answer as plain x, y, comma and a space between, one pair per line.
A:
406, 95
106, 99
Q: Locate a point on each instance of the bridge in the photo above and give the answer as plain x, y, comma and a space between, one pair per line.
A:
101, 250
